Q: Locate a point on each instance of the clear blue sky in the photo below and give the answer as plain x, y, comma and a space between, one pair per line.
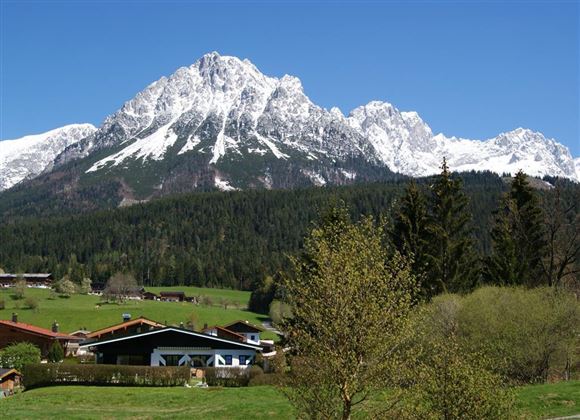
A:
471, 69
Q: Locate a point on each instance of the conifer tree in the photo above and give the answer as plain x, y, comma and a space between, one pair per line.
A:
519, 229
453, 263
410, 230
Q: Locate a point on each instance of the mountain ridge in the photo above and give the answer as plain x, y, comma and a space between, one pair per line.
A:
222, 123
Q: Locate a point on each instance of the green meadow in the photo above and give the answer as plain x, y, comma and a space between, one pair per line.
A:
263, 402
89, 311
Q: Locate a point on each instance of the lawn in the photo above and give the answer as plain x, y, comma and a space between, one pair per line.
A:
76, 402
87, 311
535, 402
549, 400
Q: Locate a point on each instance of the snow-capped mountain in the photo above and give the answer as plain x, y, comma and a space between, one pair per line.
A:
222, 123
29, 156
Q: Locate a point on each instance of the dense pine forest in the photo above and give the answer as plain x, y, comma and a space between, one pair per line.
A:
217, 239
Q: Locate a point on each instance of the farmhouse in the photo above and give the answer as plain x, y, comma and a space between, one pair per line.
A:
41, 280
171, 346
128, 327
12, 332
250, 331
172, 296
224, 333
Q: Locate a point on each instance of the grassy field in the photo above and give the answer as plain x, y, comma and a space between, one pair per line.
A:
549, 400
535, 402
76, 402
84, 311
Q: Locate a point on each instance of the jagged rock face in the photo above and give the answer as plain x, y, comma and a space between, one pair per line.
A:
29, 156
221, 122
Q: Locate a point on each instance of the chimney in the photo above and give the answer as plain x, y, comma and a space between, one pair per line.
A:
14, 317
205, 326
55, 327
126, 317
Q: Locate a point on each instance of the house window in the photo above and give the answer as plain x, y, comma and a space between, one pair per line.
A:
253, 337
242, 360
172, 359
228, 359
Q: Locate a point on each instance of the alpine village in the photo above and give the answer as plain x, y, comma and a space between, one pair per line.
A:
220, 245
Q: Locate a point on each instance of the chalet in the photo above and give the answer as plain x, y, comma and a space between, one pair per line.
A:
12, 332
250, 331
127, 327
150, 296
9, 379
172, 296
172, 346
40, 280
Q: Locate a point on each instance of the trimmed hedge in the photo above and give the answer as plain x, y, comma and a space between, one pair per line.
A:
47, 374
227, 376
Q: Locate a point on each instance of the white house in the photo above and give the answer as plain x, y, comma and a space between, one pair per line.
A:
173, 346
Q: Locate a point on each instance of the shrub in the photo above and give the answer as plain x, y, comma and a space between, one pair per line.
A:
19, 289
273, 379
523, 334
15, 356
55, 352
65, 287
39, 375
229, 377
2, 304
31, 302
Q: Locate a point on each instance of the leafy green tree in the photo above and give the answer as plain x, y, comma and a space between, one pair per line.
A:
19, 288
350, 305
86, 286
518, 235
451, 258
15, 356
410, 230
65, 287
262, 295
55, 352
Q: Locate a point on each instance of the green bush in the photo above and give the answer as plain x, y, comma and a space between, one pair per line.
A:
2, 304
526, 335
39, 375
16, 356
55, 352
31, 303
227, 376
273, 379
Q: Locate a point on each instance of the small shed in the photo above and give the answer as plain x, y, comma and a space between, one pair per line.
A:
9, 379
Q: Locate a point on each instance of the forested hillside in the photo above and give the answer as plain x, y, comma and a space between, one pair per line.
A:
204, 239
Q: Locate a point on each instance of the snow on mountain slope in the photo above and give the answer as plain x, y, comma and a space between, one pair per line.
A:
29, 156
577, 165
222, 112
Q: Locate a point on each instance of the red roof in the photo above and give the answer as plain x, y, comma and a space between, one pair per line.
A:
37, 330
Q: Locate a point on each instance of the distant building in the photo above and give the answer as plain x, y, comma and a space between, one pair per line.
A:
12, 332
171, 346
224, 333
250, 331
40, 280
172, 296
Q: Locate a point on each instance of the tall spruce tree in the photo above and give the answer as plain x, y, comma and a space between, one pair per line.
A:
410, 231
518, 237
452, 262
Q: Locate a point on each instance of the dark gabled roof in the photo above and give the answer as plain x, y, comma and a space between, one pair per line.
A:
33, 329
6, 372
171, 293
141, 320
226, 332
242, 326
174, 329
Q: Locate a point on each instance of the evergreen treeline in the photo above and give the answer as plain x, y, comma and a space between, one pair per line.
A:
232, 240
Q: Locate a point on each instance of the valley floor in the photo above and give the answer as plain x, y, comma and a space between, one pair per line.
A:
72, 402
